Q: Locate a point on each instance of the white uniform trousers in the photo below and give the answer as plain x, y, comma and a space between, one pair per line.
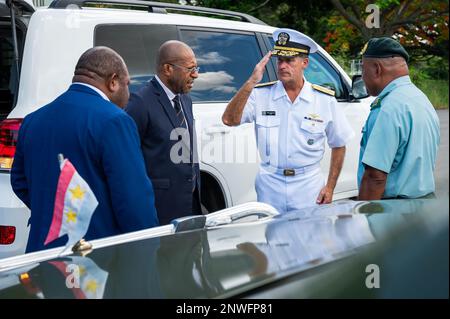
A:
288, 193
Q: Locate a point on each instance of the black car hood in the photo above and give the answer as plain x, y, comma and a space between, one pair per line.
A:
228, 260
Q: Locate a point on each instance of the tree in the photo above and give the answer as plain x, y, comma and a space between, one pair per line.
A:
340, 25
416, 24
300, 15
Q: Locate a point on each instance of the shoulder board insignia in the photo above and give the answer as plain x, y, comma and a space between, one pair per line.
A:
322, 89
260, 85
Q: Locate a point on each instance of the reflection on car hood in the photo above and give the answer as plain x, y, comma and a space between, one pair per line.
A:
222, 261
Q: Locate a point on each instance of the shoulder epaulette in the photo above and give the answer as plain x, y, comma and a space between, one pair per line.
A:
323, 89
260, 85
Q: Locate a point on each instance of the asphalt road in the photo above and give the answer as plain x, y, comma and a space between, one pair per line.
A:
441, 171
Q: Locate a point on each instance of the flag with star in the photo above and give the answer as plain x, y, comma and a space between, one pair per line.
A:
74, 205
84, 278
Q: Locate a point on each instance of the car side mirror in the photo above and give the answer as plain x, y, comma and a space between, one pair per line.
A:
359, 90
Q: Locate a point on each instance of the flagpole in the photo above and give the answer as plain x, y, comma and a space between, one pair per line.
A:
60, 160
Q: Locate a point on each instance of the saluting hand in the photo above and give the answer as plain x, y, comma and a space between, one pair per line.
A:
325, 196
258, 72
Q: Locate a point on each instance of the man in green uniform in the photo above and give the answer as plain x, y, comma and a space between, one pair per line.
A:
401, 136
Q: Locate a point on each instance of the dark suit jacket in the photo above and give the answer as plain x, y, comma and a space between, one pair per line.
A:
156, 119
102, 143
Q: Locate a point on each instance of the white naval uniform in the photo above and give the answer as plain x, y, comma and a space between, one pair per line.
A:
292, 136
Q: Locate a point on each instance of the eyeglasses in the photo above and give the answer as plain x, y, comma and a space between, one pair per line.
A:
194, 69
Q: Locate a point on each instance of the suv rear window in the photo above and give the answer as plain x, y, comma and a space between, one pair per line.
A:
138, 45
226, 59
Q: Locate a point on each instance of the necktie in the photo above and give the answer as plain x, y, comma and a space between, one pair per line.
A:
182, 123
179, 111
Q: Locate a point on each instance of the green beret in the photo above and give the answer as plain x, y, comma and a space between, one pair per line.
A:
384, 48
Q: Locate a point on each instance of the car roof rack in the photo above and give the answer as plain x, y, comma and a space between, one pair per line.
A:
159, 7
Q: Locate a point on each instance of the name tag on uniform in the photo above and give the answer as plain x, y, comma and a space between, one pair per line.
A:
269, 113
313, 119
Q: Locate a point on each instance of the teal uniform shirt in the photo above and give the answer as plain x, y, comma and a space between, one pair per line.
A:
401, 137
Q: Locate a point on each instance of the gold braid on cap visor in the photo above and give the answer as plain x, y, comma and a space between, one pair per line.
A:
276, 47
284, 53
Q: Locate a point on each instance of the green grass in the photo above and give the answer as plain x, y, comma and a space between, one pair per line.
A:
436, 90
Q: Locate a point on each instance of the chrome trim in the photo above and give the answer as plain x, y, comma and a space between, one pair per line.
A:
226, 216
38, 256
137, 235
218, 218
187, 223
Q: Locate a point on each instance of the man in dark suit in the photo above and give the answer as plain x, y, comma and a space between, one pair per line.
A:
163, 113
100, 140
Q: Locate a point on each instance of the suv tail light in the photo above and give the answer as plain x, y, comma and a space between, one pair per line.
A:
7, 235
9, 131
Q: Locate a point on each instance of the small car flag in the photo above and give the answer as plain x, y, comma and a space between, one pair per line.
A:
74, 205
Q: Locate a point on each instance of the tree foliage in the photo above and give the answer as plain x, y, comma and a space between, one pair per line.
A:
300, 15
340, 25
418, 25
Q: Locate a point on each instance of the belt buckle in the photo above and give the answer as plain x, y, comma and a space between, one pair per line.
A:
289, 172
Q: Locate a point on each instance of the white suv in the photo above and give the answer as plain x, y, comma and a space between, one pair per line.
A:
227, 46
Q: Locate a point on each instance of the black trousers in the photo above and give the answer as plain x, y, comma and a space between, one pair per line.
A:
196, 206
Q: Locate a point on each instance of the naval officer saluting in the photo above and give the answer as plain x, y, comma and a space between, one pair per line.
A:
292, 120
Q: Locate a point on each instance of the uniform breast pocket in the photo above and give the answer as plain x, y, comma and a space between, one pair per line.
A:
313, 134
267, 131
313, 127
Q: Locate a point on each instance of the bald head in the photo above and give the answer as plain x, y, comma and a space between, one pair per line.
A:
105, 69
172, 51
379, 72
176, 66
97, 64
